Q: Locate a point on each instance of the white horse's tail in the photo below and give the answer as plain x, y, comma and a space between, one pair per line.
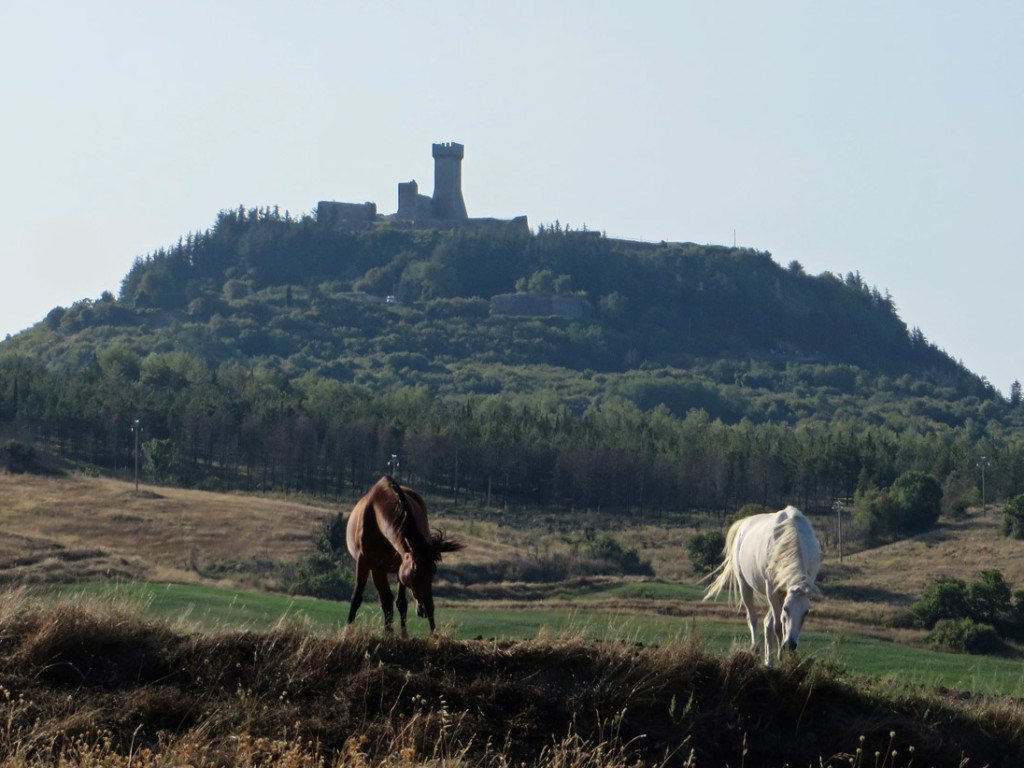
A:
725, 574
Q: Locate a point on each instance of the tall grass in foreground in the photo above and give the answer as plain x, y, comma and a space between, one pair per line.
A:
89, 682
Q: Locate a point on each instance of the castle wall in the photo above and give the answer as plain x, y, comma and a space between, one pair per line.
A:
332, 213
446, 209
408, 197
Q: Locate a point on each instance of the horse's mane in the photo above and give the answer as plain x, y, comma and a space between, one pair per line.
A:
787, 561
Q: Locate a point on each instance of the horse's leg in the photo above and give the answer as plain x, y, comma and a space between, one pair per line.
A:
403, 606
772, 629
362, 573
387, 599
747, 596
769, 635
777, 604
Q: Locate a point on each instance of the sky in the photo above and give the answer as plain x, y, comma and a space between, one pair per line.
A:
873, 137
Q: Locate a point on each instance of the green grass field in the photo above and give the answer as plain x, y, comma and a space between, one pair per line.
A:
202, 608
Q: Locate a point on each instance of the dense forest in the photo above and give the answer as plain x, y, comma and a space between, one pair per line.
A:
263, 354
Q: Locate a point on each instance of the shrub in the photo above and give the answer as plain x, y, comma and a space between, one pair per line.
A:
236, 290
319, 576
964, 636
987, 602
17, 457
705, 551
916, 502
944, 598
609, 550
871, 510
1013, 517
989, 599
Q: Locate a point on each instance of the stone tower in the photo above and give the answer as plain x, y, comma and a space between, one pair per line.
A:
448, 202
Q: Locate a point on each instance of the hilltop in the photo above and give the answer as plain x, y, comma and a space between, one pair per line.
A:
395, 306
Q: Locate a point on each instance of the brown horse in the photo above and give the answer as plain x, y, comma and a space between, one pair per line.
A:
388, 533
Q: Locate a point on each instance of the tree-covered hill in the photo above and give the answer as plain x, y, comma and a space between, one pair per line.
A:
272, 351
261, 286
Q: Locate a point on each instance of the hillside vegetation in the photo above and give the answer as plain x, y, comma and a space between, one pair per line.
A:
300, 295
261, 354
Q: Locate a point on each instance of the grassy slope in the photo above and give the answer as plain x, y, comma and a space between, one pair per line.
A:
146, 546
200, 608
81, 528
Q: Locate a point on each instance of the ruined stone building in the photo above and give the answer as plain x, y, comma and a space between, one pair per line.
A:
445, 209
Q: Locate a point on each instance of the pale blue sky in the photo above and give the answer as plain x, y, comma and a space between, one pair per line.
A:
885, 138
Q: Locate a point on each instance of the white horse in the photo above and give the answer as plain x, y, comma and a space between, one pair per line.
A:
776, 555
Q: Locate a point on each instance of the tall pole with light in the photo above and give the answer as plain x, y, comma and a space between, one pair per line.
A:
136, 428
838, 507
984, 506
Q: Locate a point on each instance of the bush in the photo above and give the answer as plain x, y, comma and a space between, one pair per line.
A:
1013, 517
705, 551
916, 502
319, 576
987, 602
990, 600
17, 457
965, 636
871, 510
607, 549
912, 504
944, 598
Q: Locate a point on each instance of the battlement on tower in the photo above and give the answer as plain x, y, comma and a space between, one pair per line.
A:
448, 149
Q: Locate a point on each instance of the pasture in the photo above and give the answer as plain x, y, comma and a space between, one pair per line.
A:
210, 567
592, 617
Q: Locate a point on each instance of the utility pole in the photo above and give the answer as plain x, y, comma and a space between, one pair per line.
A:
984, 507
136, 428
838, 507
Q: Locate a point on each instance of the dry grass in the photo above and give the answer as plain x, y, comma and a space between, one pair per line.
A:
73, 528
93, 684
96, 526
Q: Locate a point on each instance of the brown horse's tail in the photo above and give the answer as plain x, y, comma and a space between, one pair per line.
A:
443, 543
403, 502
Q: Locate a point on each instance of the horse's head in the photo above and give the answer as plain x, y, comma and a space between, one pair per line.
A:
794, 611
418, 568
417, 574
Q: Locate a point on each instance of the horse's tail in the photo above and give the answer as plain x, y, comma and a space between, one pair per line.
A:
725, 574
443, 543
404, 515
